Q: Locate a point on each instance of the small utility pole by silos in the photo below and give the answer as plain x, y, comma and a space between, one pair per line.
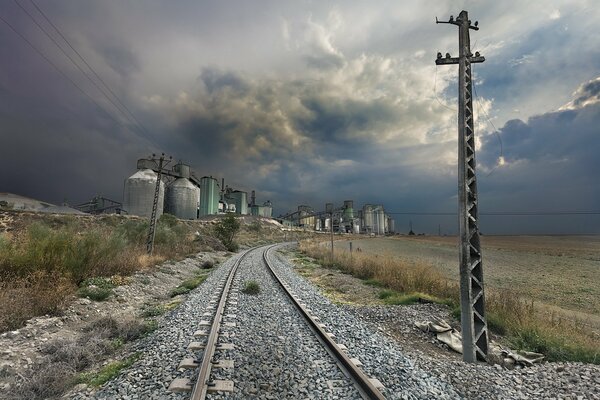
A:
329, 209
152, 229
473, 321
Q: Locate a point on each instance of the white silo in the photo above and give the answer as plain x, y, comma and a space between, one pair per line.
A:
138, 194
182, 199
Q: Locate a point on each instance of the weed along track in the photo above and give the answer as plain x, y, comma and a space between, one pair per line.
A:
257, 338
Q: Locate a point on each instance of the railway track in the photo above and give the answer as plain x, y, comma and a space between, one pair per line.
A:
223, 307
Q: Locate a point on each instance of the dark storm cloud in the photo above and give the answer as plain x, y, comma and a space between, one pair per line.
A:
549, 162
120, 58
304, 102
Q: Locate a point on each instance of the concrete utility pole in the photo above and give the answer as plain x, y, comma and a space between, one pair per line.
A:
152, 229
473, 321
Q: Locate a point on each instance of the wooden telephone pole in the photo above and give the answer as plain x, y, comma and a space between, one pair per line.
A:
473, 321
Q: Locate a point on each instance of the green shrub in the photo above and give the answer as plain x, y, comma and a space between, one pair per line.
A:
97, 289
225, 230
188, 285
251, 287
107, 372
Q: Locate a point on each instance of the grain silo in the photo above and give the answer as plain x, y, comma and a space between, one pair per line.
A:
240, 199
379, 220
348, 210
138, 194
391, 225
182, 199
368, 218
209, 196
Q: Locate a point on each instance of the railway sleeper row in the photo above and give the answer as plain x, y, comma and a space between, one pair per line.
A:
369, 387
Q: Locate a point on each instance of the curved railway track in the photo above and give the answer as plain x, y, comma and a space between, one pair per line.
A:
226, 299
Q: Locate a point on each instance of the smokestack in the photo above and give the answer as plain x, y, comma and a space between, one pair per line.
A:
253, 198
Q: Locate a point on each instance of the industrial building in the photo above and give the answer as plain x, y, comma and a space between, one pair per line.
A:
370, 220
184, 195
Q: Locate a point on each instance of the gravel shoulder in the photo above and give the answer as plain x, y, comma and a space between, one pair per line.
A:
22, 350
410, 363
352, 296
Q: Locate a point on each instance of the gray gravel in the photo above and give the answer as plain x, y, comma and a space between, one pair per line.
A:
161, 352
366, 331
277, 357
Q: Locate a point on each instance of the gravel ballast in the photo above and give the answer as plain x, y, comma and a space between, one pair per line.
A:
276, 355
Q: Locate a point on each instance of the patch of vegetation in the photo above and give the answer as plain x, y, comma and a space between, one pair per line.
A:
107, 372
207, 265
188, 285
554, 346
97, 289
152, 310
251, 287
507, 313
392, 297
255, 227
225, 230
373, 282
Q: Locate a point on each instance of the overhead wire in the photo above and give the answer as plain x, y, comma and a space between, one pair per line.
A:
435, 91
60, 71
89, 66
505, 213
77, 65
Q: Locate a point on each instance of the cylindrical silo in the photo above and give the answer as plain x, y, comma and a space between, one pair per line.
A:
241, 201
368, 218
138, 194
182, 169
380, 216
392, 225
209, 196
182, 199
348, 210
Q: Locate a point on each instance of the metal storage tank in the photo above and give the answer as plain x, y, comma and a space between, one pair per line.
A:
138, 194
182, 169
182, 199
240, 199
368, 218
380, 218
209, 196
267, 209
348, 210
392, 225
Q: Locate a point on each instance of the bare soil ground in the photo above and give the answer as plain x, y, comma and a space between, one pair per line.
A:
559, 273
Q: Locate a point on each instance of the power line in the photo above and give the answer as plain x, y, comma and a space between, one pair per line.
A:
89, 66
505, 213
71, 59
59, 70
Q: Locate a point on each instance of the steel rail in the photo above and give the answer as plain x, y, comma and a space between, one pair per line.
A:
362, 381
202, 383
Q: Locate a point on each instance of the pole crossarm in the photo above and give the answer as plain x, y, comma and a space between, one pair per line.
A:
473, 321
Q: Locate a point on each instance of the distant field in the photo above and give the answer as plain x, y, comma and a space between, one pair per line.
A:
562, 272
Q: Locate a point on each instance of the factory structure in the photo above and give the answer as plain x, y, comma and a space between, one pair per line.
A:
370, 219
184, 195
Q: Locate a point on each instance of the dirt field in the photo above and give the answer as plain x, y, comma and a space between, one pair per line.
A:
560, 272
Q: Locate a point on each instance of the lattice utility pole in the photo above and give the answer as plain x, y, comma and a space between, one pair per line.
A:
152, 230
473, 321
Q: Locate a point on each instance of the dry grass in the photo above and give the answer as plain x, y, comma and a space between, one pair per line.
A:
37, 294
45, 261
507, 313
66, 359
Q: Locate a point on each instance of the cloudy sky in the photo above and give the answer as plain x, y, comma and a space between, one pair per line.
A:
308, 102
